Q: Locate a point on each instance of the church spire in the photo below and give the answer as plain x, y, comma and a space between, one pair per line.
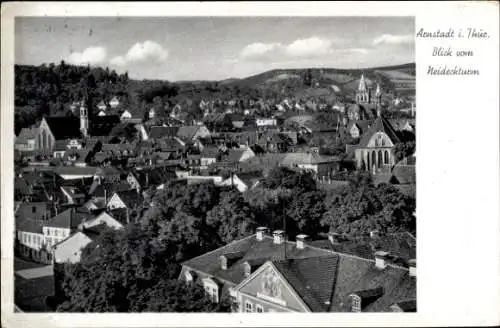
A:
362, 83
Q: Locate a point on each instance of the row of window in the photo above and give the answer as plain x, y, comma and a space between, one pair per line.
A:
249, 308
38, 240
55, 232
35, 239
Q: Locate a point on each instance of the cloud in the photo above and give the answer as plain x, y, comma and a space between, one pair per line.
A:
309, 47
259, 49
393, 39
300, 48
90, 56
148, 51
118, 61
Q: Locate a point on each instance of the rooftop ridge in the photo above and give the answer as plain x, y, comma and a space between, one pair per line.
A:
220, 248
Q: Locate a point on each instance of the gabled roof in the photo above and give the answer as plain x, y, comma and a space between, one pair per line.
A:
63, 127
252, 249
380, 124
26, 134
131, 198
98, 190
322, 278
234, 155
362, 125
158, 132
69, 219
401, 246
30, 225
25, 210
187, 132
170, 144
76, 170
312, 279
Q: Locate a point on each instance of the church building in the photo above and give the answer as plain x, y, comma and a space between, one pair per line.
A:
376, 148
61, 128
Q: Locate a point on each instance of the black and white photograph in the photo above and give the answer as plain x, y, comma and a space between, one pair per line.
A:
215, 164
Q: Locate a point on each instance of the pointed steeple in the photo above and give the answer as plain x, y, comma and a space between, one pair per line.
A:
362, 83
378, 92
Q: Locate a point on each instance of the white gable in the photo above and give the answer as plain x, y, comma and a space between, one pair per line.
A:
126, 114
269, 285
380, 139
103, 218
70, 249
115, 202
238, 183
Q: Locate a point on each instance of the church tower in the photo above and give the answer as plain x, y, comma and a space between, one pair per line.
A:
363, 93
378, 95
84, 119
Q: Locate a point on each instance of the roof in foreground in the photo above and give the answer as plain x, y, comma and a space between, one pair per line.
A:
317, 275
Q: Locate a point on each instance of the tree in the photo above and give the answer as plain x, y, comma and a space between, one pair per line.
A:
303, 212
232, 218
359, 209
114, 270
125, 131
176, 296
282, 177
404, 149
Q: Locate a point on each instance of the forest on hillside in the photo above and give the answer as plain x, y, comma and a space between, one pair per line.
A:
51, 89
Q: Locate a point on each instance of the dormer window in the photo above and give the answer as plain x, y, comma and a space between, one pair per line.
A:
356, 303
211, 289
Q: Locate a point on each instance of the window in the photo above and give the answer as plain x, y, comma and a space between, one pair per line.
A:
29, 238
248, 307
356, 304
215, 295
259, 308
33, 209
56, 232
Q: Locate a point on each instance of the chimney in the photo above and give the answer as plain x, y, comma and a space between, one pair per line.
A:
223, 262
413, 267
278, 236
261, 232
374, 234
300, 240
247, 269
381, 259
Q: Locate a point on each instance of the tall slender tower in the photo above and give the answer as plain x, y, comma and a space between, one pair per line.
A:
84, 119
362, 94
378, 95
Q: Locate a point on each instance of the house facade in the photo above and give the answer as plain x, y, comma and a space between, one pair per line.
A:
262, 273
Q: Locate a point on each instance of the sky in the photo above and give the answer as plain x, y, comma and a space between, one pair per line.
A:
214, 48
